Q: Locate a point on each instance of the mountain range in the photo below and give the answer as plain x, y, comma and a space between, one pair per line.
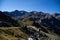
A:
47, 22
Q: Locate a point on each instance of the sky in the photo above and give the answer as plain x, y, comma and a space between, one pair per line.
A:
49, 6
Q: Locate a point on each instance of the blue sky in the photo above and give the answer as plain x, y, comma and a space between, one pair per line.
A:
50, 6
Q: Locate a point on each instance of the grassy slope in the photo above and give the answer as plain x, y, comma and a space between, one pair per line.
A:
11, 34
14, 33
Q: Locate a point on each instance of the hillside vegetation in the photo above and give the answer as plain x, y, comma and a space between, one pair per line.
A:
13, 33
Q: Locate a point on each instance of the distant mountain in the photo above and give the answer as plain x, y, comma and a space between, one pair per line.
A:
39, 15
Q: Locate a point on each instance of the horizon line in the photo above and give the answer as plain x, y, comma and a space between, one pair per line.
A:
31, 11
